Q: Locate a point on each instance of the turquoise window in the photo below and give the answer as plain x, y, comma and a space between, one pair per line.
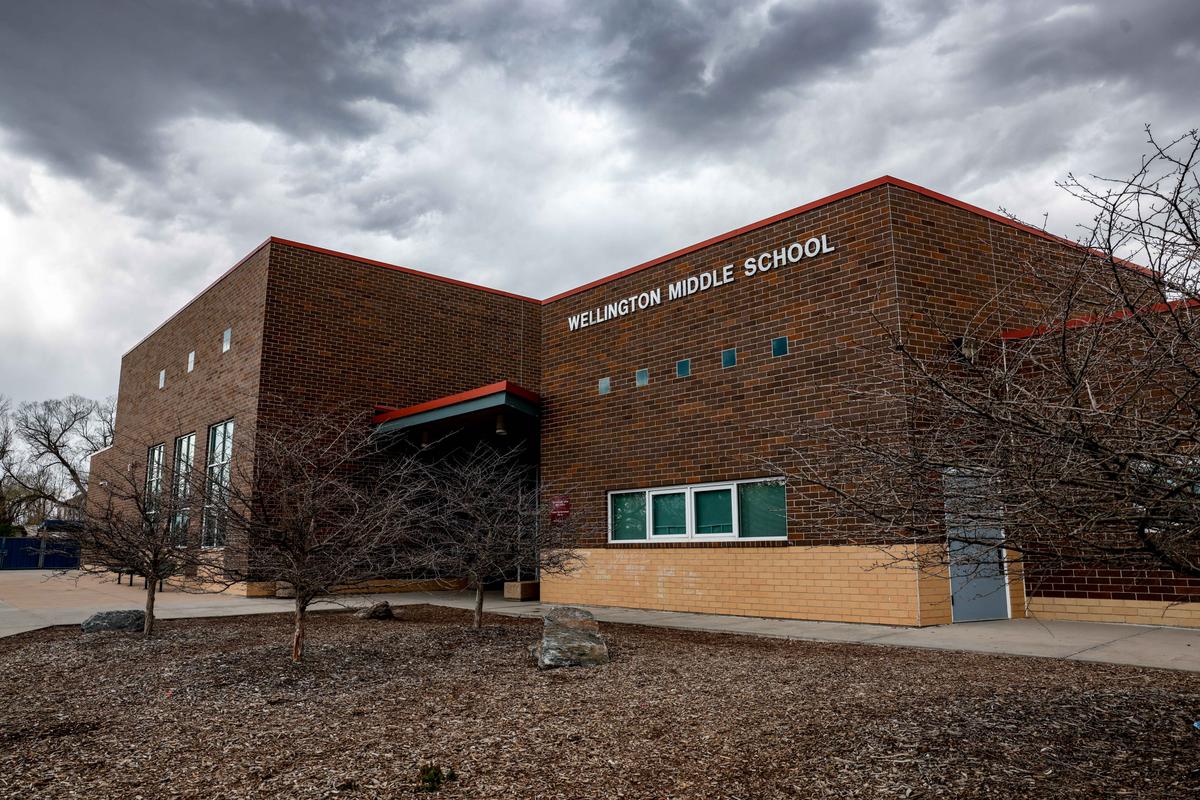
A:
668, 514
683, 368
779, 346
729, 357
628, 516
604, 386
641, 377
762, 510
713, 510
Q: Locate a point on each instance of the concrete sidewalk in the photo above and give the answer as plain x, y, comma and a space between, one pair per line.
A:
31, 599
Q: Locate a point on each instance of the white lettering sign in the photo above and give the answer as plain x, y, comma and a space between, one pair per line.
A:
695, 284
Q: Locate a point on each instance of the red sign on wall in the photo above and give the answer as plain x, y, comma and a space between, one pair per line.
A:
560, 508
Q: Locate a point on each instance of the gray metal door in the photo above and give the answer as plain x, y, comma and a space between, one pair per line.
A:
978, 581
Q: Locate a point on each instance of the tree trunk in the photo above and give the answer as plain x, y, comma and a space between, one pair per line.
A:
298, 633
478, 620
151, 590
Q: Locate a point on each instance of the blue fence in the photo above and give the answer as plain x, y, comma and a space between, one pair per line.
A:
29, 553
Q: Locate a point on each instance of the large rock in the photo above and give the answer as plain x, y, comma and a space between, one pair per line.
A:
129, 620
570, 638
380, 610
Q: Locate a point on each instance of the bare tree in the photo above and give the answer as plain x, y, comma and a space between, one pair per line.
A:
491, 524
138, 521
1078, 436
45, 446
321, 507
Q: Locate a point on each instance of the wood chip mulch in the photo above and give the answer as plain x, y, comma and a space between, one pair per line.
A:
214, 708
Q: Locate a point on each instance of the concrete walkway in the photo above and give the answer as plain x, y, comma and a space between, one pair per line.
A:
32, 599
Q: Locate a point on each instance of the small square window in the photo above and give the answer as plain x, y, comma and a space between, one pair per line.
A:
191, 361
779, 346
604, 386
641, 377
226, 340
729, 357
683, 368
162, 378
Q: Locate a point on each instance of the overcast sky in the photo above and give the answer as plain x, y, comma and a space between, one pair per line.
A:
146, 146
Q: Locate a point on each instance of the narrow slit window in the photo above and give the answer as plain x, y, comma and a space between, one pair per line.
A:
191, 361
162, 378
226, 340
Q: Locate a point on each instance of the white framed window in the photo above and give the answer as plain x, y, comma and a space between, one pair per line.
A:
162, 378
216, 483
154, 471
722, 511
191, 360
181, 488
226, 340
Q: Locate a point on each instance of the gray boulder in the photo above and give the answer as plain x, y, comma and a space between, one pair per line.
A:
380, 610
570, 638
129, 620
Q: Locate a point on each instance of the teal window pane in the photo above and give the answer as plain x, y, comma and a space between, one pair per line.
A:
714, 511
641, 377
729, 357
683, 368
779, 347
628, 516
669, 514
604, 386
762, 510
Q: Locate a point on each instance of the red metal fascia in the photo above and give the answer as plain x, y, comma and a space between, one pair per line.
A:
449, 400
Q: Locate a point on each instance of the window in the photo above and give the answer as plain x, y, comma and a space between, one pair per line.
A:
216, 483
641, 377
683, 368
713, 509
762, 510
604, 386
226, 340
181, 489
154, 468
627, 511
729, 357
162, 378
191, 361
668, 514
752, 509
779, 347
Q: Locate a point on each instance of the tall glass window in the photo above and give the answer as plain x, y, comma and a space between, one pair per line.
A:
191, 360
154, 470
216, 483
181, 489
226, 340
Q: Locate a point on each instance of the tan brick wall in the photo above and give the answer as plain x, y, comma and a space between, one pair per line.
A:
1145, 612
842, 583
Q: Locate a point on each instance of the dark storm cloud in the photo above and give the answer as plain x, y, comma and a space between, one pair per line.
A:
686, 73
81, 80
1154, 47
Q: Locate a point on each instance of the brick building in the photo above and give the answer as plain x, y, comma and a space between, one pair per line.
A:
652, 398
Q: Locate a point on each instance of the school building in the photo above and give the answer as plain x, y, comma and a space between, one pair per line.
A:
653, 398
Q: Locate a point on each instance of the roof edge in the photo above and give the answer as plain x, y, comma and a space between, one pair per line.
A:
386, 414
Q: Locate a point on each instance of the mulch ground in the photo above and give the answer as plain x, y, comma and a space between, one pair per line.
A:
214, 708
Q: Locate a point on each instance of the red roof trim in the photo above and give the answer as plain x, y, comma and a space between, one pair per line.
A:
1015, 334
386, 415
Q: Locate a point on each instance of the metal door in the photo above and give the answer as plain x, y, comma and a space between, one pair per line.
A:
975, 532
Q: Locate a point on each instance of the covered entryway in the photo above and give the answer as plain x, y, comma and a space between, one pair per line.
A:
975, 536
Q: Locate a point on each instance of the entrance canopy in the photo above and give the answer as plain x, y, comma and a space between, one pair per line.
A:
495, 398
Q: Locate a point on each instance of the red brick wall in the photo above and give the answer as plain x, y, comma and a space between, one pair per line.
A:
716, 424
221, 386
341, 334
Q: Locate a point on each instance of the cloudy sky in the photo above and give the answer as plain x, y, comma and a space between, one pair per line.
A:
146, 146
